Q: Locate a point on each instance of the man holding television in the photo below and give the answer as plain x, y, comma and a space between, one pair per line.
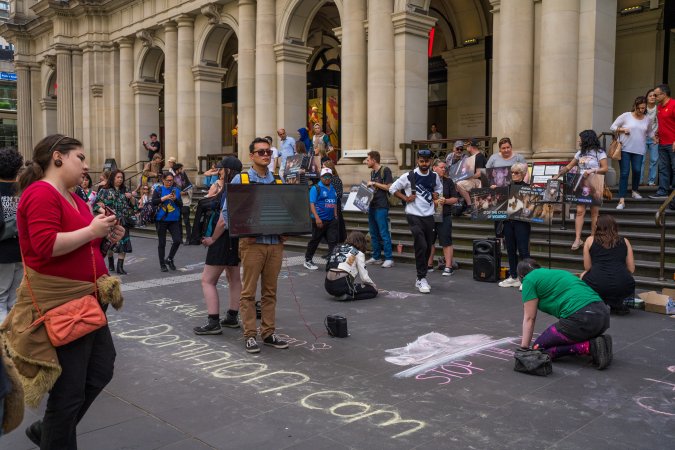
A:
261, 258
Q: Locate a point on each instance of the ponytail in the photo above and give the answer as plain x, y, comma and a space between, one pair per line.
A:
42, 157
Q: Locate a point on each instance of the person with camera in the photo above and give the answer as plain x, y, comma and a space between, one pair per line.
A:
345, 262
154, 147
166, 198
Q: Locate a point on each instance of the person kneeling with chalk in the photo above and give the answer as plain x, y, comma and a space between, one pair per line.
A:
344, 264
582, 315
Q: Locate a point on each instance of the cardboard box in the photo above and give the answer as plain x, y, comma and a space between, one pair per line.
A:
662, 303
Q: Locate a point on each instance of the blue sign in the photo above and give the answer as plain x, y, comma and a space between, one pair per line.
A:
7, 76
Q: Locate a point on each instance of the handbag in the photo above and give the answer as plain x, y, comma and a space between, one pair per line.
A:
73, 319
533, 362
615, 148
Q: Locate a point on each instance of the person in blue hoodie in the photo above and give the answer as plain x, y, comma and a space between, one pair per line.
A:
166, 198
305, 139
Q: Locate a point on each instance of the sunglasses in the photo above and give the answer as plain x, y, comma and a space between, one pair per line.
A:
263, 152
516, 172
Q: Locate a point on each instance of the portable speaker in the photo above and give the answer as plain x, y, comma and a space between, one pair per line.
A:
486, 260
336, 326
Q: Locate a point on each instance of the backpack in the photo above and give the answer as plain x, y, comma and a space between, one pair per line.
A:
245, 179
339, 255
8, 229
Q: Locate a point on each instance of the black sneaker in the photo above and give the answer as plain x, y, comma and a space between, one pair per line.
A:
657, 195
213, 327
609, 344
163, 268
230, 321
169, 262
273, 341
34, 432
599, 352
252, 345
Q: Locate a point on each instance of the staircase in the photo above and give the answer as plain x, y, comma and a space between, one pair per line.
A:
636, 222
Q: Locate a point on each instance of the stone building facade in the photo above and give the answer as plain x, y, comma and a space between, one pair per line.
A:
110, 72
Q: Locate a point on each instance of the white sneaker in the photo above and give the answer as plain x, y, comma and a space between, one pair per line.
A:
636, 195
509, 282
423, 286
387, 264
521, 288
620, 206
447, 272
309, 265
374, 261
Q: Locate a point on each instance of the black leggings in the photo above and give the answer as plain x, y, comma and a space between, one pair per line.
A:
176, 236
346, 286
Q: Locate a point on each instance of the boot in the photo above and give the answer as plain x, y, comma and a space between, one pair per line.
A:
111, 263
169, 262
120, 267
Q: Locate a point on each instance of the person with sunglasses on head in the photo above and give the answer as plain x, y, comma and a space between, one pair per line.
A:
419, 189
167, 199
516, 232
261, 258
324, 212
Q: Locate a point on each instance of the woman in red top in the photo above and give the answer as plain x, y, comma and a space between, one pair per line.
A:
57, 232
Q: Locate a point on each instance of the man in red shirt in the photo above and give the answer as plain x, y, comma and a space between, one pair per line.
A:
666, 117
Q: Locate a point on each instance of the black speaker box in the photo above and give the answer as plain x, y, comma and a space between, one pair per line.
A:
486, 260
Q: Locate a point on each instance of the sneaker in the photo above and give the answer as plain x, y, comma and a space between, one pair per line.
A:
273, 341
430, 269
230, 321
309, 265
636, 195
169, 262
252, 346
609, 344
509, 282
213, 327
388, 263
599, 352
163, 268
423, 286
657, 195
374, 261
651, 183
34, 432
447, 272
621, 206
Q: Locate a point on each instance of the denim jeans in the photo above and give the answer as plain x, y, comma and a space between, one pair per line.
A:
652, 155
380, 238
628, 160
666, 169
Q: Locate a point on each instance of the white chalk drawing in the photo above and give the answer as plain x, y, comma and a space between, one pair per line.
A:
397, 294
434, 349
659, 405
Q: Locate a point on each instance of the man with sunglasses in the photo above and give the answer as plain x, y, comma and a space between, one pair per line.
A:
261, 258
323, 204
421, 187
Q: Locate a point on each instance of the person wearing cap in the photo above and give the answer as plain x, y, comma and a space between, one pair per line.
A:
419, 189
479, 162
171, 162
154, 147
324, 212
456, 154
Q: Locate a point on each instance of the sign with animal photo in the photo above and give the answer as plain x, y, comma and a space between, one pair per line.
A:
584, 190
498, 176
359, 198
462, 169
526, 204
489, 204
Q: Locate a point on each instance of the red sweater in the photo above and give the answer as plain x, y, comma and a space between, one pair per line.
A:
42, 213
666, 118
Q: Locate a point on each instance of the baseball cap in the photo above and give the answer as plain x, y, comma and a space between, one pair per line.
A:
325, 171
459, 144
424, 153
230, 162
474, 143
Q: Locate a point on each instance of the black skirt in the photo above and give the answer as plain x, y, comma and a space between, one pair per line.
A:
223, 252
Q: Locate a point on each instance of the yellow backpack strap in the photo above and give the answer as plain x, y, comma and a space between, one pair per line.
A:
244, 178
277, 179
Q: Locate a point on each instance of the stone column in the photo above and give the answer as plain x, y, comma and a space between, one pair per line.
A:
146, 99
209, 123
246, 78
48, 106
128, 144
466, 91
170, 144
292, 86
77, 93
265, 69
353, 81
186, 93
411, 43
36, 95
494, 81
516, 73
381, 80
557, 121
64, 95
23, 107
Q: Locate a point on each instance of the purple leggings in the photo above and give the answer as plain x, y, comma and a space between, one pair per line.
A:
557, 344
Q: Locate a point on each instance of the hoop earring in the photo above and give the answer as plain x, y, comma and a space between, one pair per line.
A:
58, 163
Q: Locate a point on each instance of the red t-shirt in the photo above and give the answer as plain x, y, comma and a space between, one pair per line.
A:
666, 118
42, 213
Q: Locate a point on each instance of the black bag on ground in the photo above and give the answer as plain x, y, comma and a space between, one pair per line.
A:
533, 362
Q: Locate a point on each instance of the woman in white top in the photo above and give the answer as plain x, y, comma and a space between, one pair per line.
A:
344, 264
633, 128
591, 159
652, 142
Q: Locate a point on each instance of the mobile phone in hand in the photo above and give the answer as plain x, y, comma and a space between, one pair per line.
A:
108, 211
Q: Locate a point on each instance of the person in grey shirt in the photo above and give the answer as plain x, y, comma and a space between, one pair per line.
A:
506, 156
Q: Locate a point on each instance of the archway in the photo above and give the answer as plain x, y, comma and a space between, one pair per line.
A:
148, 92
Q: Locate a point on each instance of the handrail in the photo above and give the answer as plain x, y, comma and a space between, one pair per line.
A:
660, 219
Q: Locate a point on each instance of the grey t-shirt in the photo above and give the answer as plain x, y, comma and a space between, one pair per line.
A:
496, 160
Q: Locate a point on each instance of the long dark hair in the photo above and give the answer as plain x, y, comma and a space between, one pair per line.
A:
42, 157
638, 101
589, 141
110, 184
357, 240
607, 231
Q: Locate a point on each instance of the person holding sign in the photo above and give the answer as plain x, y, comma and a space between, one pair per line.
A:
591, 159
323, 204
516, 233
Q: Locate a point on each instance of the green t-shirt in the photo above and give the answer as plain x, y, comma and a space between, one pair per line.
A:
560, 293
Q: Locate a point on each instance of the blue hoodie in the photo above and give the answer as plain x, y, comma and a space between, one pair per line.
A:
304, 138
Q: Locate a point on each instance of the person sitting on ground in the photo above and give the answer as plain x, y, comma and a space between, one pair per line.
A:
344, 263
609, 265
582, 316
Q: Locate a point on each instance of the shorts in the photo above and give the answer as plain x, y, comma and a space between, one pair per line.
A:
223, 252
469, 184
586, 323
443, 230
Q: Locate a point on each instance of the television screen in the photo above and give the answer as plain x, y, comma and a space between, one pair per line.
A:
257, 209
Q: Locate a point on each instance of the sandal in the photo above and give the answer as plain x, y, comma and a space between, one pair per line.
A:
576, 245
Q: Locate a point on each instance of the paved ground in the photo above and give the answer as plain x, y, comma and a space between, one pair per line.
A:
175, 390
